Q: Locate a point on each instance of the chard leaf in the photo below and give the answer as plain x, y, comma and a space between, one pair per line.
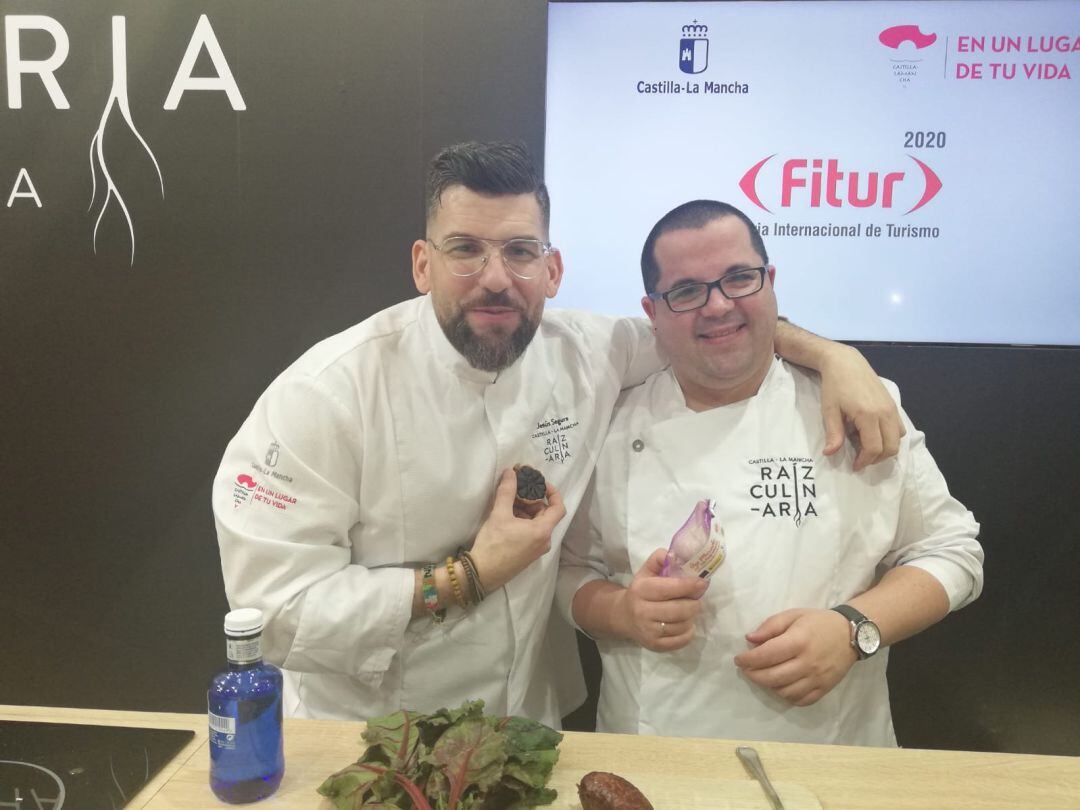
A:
524, 734
503, 797
349, 787
471, 801
433, 725
393, 740
533, 769
454, 759
471, 754
537, 798
366, 784
531, 750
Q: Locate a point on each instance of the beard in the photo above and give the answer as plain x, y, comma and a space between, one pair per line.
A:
495, 352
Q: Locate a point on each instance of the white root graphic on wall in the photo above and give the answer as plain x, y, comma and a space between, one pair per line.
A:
118, 98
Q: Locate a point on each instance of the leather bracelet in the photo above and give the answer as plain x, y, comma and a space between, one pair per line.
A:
455, 586
431, 593
478, 586
470, 573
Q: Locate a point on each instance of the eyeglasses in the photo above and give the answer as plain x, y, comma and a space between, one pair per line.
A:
468, 255
736, 284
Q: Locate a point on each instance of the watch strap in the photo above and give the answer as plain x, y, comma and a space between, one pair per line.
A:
855, 620
850, 613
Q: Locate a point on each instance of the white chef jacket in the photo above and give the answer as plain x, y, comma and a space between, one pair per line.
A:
802, 530
379, 450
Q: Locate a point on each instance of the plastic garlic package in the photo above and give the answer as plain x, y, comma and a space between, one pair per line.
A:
697, 549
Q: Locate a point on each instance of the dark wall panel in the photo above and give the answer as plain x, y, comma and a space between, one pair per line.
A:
280, 224
1004, 426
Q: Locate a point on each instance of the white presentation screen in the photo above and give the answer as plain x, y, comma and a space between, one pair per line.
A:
914, 166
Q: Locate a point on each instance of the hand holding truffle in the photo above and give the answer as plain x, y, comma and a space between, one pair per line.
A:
509, 542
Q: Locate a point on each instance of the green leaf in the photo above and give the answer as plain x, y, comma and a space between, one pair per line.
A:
469, 753
393, 740
528, 735
533, 770
539, 798
531, 751
505, 798
348, 788
453, 759
433, 725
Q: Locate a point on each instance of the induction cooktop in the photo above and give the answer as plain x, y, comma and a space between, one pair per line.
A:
52, 766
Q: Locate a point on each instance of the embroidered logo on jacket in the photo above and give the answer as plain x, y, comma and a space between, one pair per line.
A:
274, 498
242, 487
553, 437
784, 487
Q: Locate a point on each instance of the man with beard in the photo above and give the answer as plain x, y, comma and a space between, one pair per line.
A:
354, 506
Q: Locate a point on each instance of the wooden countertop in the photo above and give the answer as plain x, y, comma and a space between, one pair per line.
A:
674, 772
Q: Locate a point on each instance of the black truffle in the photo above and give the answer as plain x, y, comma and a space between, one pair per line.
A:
531, 486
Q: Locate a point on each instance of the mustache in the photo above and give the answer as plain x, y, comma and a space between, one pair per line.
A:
494, 299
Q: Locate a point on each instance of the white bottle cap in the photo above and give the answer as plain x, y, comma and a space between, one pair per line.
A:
244, 621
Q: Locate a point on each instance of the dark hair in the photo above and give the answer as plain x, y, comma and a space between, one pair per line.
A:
494, 167
694, 214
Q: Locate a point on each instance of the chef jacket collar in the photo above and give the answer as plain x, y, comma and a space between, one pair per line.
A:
669, 400
443, 354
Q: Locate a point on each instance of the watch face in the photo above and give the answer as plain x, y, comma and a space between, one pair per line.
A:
868, 637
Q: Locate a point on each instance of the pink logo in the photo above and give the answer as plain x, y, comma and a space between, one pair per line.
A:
819, 181
899, 34
246, 480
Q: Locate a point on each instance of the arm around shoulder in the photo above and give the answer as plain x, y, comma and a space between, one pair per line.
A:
852, 396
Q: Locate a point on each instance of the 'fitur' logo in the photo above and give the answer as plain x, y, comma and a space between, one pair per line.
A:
819, 182
694, 48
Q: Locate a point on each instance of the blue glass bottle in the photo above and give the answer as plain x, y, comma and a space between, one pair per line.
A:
247, 758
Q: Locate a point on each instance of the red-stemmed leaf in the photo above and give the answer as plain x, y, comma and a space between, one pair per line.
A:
470, 753
453, 759
393, 740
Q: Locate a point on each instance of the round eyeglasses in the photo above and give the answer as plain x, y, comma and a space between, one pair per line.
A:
736, 284
468, 255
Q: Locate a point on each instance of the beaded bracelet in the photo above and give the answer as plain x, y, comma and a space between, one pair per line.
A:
431, 593
473, 573
459, 597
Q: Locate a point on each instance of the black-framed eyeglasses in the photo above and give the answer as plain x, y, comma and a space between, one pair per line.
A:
735, 284
468, 255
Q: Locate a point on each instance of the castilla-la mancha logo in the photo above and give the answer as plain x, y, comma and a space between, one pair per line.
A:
694, 48
906, 41
817, 182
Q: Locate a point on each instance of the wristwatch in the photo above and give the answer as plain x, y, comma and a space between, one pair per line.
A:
865, 636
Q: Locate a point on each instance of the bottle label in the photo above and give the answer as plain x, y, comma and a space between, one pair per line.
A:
243, 650
222, 731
